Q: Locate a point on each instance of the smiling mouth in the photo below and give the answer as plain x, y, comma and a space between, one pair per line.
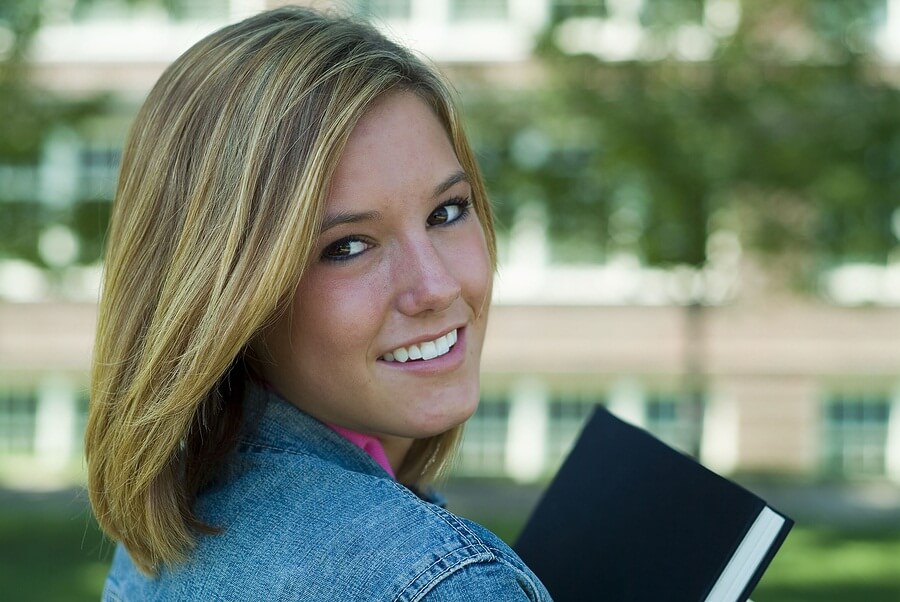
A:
423, 351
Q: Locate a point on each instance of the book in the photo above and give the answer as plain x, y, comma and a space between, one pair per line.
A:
627, 518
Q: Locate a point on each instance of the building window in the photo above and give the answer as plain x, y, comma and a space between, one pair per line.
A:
385, 9
98, 171
18, 409
82, 404
855, 437
676, 420
18, 183
567, 414
569, 9
20, 229
483, 449
477, 10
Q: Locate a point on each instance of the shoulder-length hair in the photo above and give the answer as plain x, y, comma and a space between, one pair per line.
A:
223, 182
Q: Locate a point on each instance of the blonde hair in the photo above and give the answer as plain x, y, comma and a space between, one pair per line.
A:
221, 192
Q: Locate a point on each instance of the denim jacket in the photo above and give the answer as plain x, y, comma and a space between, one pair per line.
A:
307, 515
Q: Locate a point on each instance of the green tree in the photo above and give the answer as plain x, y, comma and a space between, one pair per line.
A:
789, 132
28, 116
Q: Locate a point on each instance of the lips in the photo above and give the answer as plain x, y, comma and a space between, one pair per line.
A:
425, 351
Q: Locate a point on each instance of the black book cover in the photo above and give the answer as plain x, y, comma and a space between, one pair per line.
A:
628, 518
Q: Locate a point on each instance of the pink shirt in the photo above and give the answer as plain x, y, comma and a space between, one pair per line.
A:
369, 444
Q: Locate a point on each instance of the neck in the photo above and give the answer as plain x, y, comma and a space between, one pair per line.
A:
395, 448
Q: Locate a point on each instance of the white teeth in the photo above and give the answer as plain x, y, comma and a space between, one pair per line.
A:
423, 351
429, 350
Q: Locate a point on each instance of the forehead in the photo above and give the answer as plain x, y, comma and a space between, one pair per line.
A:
399, 149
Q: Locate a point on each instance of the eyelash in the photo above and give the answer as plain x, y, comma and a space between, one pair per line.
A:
464, 205
339, 243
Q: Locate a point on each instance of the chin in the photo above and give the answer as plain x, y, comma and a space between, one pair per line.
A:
431, 424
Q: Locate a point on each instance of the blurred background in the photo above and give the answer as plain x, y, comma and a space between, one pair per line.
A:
699, 207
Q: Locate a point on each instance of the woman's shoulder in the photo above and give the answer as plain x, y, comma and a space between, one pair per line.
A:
490, 570
335, 531
326, 534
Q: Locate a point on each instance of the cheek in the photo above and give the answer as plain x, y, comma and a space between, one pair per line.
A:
337, 316
476, 273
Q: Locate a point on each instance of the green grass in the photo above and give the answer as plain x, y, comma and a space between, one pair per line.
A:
51, 555
825, 564
818, 564
59, 554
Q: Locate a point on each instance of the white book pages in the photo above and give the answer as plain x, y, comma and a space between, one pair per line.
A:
747, 557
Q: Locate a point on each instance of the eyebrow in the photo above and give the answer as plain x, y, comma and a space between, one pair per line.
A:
454, 179
347, 217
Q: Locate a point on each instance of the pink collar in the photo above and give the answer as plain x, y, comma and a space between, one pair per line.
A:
368, 443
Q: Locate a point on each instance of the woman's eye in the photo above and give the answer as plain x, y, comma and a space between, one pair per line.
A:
344, 249
449, 212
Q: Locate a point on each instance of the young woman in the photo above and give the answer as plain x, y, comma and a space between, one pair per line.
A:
297, 283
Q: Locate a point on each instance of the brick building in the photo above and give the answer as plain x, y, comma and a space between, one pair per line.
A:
749, 382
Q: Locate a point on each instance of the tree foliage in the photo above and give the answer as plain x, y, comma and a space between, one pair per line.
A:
21, 114
28, 116
788, 134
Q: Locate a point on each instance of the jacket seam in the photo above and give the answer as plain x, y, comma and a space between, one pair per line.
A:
448, 518
253, 446
464, 560
534, 592
285, 450
474, 551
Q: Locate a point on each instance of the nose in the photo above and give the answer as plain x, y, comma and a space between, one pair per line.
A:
427, 281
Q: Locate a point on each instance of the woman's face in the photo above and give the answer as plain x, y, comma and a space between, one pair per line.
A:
401, 272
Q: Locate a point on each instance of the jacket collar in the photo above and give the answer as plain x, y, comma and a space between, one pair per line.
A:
271, 421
